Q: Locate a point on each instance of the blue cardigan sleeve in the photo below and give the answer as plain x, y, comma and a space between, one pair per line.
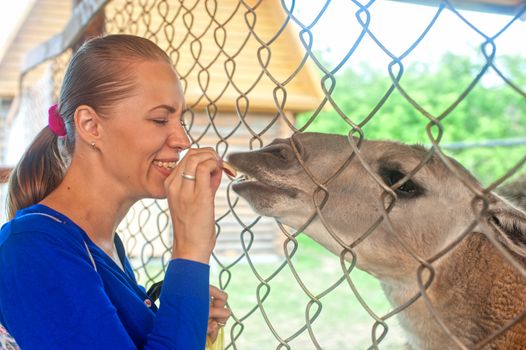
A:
185, 300
51, 297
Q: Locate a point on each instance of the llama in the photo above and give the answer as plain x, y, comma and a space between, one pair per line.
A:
475, 290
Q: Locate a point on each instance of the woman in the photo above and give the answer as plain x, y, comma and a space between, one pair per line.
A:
65, 282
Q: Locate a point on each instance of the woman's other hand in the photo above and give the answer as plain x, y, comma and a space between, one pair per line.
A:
219, 313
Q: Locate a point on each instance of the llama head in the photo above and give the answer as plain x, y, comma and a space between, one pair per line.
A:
316, 183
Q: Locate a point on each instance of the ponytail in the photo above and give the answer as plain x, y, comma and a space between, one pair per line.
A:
38, 173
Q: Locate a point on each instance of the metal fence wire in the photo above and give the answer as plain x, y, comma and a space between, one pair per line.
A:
244, 66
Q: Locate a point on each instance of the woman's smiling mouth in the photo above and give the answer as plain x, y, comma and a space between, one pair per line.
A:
165, 167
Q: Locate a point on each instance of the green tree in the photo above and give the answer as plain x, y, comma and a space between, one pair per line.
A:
491, 109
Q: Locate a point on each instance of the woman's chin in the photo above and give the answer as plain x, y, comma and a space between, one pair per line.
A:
159, 194
158, 197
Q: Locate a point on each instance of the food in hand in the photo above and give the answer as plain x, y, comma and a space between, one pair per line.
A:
229, 170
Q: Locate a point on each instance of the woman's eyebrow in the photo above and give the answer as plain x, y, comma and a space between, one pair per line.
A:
167, 107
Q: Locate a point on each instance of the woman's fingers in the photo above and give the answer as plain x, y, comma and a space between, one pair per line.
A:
218, 310
219, 297
219, 314
212, 331
208, 176
203, 165
189, 165
194, 157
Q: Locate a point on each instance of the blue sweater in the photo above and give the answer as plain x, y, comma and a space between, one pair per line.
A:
51, 296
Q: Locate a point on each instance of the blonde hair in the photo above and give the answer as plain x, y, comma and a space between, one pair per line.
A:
99, 75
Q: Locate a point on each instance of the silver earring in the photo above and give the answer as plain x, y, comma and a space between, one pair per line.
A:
93, 144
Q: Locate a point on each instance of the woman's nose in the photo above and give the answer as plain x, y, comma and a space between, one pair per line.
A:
178, 139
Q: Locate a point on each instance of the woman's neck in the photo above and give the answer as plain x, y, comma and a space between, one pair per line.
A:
93, 206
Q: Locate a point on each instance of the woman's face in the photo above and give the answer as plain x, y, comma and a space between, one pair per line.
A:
143, 135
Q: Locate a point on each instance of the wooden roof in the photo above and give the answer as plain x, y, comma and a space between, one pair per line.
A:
42, 20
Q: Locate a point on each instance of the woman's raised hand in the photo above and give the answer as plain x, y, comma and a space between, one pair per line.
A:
190, 190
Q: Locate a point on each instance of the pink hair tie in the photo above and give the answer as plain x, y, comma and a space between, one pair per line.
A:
55, 121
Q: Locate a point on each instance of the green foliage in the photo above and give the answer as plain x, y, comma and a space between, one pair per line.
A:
491, 109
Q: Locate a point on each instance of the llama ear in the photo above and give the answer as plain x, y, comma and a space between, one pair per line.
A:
509, 225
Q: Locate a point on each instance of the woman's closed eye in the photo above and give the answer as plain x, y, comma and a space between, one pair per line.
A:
160, 121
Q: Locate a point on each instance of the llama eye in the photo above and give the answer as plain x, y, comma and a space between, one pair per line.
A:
407, 187
407, 190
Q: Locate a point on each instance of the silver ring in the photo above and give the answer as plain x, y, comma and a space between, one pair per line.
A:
188, 177
220, 324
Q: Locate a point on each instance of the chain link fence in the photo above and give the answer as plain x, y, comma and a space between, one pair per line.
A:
250, 74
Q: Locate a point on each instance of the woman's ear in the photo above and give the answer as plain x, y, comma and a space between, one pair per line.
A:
87, 124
